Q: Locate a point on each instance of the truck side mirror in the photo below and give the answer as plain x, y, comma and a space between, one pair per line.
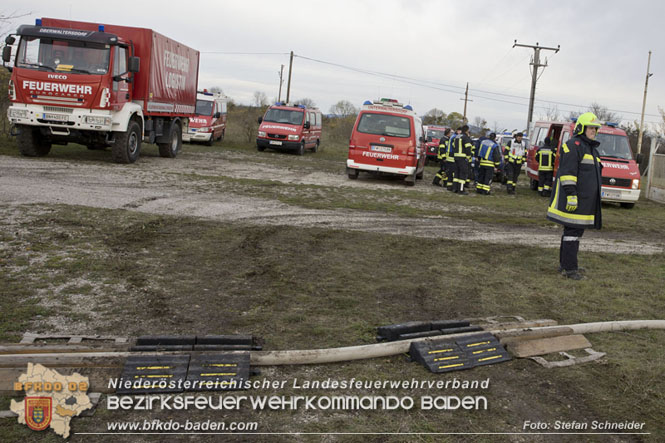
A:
217, 115
7, 54
260, 120
640, 158
307, 125
422, 139
134, 64
10, 40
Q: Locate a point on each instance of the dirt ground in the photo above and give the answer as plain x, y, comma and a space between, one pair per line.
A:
162, 187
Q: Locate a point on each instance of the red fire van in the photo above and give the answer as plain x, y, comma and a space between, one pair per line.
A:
289, 127
387, 137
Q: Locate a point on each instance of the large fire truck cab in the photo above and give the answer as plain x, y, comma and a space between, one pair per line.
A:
99, 85
620, 173
209, 124
387, 137
286, 126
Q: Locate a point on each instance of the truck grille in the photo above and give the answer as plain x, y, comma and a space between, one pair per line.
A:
277, 136
58, 109
621, 182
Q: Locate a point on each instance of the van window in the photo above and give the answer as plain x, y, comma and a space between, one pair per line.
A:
284, 116
204, 107
318, 119
565, 137
614, 146
536, 133
383, 124
540, 140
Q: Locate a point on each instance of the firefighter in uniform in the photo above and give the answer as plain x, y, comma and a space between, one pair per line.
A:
545, 160
450, 161
515, 151
462, 154
441, 156
489, 158
575, 203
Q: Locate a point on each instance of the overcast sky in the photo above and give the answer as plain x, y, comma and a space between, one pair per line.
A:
420, 52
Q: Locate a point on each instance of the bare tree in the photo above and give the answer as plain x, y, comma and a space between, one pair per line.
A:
434, 117
306, 102
343, 108
551, 114
260, 99
603, 113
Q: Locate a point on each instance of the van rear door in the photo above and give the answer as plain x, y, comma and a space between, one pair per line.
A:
387, 139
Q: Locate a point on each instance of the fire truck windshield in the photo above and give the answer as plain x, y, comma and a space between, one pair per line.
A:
63, 56
614, 146
284, 116
204, 107
384, 124
434, 133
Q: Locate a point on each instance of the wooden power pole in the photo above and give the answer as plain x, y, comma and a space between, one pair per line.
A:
466, 99
644, 104
281, 72
288, 84
534, 75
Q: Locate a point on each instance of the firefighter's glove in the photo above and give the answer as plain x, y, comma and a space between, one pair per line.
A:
571, 203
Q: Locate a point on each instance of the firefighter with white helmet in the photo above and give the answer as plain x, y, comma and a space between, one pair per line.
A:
575, 202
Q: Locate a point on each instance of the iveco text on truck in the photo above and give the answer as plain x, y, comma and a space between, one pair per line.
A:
99, 85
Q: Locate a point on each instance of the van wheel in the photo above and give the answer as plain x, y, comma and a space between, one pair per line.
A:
419, 176
316, 146
533, 184
260, 148
127, 145
171, 149
301, 148
211, 141
31, 143
628, 205
353, 174
410, 180
221, 137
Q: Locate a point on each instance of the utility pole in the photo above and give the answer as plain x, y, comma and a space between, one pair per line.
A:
534, 75
281, 71
466, 99
644, 104
288, 84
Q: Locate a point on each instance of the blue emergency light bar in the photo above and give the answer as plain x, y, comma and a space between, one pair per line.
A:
301, 106
367, 102
278, 103
409, 107
611, 124
100, 28
38, 22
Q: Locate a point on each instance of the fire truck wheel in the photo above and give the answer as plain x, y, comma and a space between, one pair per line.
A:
410, 180
127, 145
419, 175
31, 143
211, 141
353, 174
316, 146
260, 148
533, 184
301, 148
171, 149
221, 137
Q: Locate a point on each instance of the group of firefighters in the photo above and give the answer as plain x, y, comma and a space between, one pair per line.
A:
462, 160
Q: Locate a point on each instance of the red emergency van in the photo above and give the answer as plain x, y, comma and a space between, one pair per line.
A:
621, 175
209, 124
291, 127
387, 138
433, 134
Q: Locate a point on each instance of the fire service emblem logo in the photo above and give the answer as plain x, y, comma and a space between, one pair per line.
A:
38, 412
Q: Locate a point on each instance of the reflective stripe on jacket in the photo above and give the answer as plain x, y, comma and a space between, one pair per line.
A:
488, 153
545, 159
579, 174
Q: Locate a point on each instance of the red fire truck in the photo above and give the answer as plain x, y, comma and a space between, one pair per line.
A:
99, 85
433, 134
209, 125
621, 175
286, 126
387, 138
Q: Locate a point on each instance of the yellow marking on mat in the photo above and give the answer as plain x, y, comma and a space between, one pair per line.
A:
484, 350
490, 358
478, 344
451, 366
221, 365
439, 351
446, 358
143, 368
210, 374
154, 376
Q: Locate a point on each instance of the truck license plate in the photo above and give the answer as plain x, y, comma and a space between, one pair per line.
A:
381, 148
56, 117
275, 142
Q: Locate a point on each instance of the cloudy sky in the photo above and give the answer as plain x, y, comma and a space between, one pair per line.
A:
420, 52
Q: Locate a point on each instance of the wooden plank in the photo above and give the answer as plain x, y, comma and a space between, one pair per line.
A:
18, 348
518, 325
507, 338
529, 348
98, 377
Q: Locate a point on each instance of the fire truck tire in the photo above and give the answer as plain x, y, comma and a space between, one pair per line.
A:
127, 145
260, 148
301, 148
353, 174
316, 146
533, 184
31, 143
171, 149
628, 205
211, 141
419, 175
221, 137
410, 180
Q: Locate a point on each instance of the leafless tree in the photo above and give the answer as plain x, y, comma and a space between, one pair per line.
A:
343, 108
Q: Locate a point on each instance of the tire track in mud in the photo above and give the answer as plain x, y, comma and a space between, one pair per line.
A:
149, 187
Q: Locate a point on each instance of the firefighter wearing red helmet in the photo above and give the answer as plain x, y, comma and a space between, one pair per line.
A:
575, 203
